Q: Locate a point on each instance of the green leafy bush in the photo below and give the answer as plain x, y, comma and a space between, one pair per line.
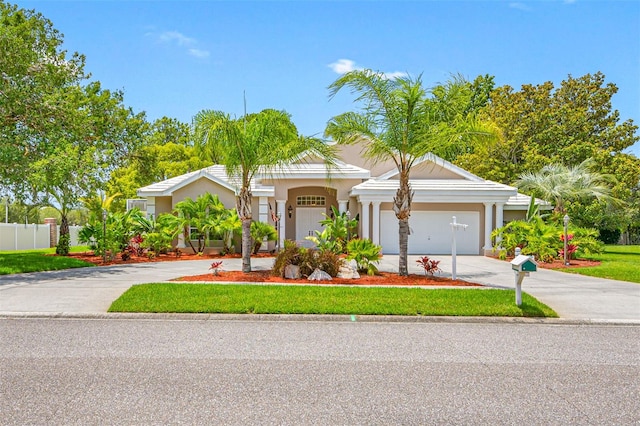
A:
365, 253
261, 231
543, 240
338, 230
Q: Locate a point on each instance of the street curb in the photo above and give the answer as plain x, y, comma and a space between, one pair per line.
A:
314, 318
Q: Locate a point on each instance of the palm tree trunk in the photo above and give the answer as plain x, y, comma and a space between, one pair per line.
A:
243, 205
402, 209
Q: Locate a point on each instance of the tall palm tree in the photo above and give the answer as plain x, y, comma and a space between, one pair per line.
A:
250, 144
399, 121
559, 183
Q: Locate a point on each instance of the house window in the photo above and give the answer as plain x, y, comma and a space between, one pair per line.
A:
311, 201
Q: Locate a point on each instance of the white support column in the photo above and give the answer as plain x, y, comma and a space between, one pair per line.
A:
375, 238
499, 220
364, 219
342, 206
488, 225
280, 208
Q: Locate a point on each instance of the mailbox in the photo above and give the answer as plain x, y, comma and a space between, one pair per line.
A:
524, 263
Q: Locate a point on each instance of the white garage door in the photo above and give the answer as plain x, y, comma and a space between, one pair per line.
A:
431, 233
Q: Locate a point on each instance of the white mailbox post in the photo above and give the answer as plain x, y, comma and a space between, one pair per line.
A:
454, 227
521, 266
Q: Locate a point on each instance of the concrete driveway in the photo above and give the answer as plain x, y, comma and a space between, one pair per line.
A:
92, 290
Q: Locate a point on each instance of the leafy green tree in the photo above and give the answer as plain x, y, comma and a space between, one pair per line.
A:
253, 143
166, 151
59, 137
99, 133
399, 121
35, 70
542, 125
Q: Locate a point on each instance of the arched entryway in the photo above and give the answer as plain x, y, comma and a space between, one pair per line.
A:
305, 208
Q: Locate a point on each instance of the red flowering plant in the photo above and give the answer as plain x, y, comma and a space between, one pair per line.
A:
430, 266
571, 248
216, 267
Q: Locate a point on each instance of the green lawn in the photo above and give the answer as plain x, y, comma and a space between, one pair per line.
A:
16, 262
618, 263
279, 299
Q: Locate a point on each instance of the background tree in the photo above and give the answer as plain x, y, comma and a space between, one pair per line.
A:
60, 137
542, 125
398, 121
97, 133
33, 70
250, 144
166, 150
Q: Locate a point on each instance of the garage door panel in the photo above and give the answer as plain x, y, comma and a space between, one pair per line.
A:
431, 232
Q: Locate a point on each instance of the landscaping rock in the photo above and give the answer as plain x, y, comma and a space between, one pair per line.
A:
292, 272
349, 271
319, 275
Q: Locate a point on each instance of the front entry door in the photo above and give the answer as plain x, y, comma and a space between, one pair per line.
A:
307, 221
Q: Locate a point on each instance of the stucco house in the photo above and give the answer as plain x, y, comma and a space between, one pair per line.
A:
302, 193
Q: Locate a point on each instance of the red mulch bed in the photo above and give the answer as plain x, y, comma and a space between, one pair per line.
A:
88, 256
573, 263
383, 278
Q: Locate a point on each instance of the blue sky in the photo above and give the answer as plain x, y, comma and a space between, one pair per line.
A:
176, 58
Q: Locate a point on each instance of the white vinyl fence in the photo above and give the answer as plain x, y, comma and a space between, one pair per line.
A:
16, 236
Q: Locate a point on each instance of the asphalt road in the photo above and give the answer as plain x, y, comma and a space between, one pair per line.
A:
244, 372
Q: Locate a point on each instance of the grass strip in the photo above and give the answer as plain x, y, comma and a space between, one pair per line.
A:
618, 263
21, 261
279, 299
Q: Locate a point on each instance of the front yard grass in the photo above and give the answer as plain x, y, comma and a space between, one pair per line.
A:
21, 261
618, 263
339, 300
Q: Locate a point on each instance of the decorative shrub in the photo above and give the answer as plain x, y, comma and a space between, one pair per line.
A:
338, 230
290, 254
365, 253
430, 266
215, 267
307, 259
62, 249
544, 240
261, 231
324, 260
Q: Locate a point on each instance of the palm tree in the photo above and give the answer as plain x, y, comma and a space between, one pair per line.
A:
253, 143
399, 121
560, 183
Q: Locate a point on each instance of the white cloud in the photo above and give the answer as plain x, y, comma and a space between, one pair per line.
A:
395, 74
520, 6
198, 53
179, 38
343, 66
